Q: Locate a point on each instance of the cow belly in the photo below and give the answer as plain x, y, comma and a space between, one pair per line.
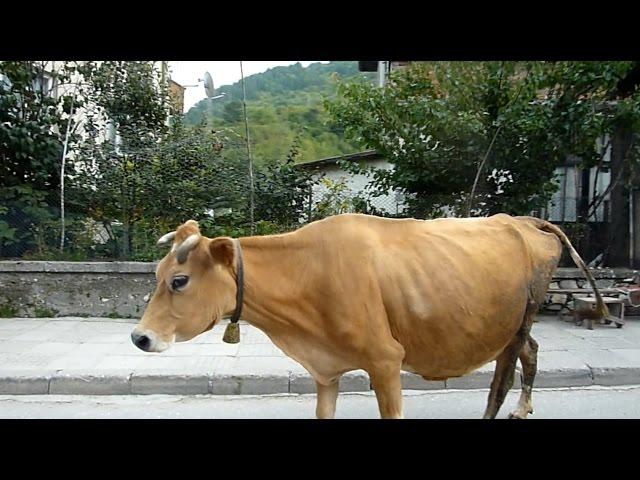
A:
456, 303
454, 332
452, 338
450, 364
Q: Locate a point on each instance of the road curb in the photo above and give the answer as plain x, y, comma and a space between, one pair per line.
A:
26, 382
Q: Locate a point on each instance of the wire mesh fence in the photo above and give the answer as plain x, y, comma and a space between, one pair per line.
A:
33, 229
32, 234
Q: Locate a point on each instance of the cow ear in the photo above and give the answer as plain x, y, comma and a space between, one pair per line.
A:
222, 250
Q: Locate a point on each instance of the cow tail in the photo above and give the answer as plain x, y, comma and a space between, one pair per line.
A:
545, 226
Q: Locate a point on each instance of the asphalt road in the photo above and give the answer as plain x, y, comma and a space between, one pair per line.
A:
559, 403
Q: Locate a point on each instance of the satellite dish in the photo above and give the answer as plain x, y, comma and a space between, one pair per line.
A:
208, 85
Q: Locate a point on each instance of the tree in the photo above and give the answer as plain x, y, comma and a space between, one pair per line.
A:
232, 112
282, 192
497, 129
131, 99
32, 127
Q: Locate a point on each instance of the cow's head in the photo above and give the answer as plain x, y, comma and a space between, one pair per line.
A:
195, 288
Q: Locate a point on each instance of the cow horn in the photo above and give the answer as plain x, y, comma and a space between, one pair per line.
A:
166, 240
185, 247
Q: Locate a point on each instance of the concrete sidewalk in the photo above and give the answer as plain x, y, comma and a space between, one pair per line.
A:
72, 355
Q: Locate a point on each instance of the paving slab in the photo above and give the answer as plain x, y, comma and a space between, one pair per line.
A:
562, 369
95, 355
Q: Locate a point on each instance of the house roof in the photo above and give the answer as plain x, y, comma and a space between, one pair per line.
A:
366, 155
171, 80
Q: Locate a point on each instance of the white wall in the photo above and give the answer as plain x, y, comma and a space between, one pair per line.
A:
391, 203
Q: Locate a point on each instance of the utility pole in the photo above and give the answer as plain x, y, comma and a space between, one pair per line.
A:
246, 126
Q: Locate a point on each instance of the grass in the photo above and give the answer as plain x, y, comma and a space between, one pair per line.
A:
8, 311
44, 312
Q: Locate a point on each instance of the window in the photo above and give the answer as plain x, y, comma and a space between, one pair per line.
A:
44, 83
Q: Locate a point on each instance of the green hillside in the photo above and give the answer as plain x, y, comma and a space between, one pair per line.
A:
281, 103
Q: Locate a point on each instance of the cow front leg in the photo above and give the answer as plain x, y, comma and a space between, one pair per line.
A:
388, 389
327, 397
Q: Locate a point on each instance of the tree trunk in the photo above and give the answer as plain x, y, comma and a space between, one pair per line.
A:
619, 238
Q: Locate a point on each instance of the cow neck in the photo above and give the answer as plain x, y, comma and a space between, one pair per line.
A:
259, 252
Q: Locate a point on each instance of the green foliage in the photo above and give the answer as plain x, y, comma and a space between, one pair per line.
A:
23, 214
191, 173
335, 200
283, 103
436, 123
232, 112
43, 312
30, 119
132, 96
30, 150
114, 178
126, 188
282, 191
8, 311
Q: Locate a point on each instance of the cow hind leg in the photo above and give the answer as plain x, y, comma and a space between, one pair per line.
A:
506, 364
529, 361
502, 378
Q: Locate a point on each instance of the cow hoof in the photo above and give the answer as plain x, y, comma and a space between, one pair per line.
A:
516, 415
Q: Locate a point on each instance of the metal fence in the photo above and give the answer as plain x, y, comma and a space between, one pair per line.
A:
34, 233
33, 230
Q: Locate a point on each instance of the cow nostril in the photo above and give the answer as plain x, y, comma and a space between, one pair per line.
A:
141, 341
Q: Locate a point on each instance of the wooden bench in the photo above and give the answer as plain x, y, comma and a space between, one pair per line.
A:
621, 287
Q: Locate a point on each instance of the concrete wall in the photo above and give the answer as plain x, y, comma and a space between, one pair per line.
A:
114, 289
48, 289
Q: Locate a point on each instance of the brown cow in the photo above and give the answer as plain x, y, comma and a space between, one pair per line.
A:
439, 298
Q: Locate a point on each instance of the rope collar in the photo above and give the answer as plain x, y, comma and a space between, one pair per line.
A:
239, 283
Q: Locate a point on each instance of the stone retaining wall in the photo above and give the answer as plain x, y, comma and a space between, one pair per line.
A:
112, 289
55, 289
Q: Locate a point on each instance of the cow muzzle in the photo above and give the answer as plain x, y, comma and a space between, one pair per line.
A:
148, 341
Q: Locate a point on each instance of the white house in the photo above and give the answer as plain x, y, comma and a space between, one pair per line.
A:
391, 203
49, 84
575, 184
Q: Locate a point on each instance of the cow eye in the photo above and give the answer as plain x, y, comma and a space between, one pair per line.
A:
179, 282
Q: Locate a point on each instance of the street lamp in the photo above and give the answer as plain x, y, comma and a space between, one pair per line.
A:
246, 126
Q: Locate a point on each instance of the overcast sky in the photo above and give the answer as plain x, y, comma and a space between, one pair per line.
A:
223, 73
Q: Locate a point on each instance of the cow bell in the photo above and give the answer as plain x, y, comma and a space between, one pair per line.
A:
232, 333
